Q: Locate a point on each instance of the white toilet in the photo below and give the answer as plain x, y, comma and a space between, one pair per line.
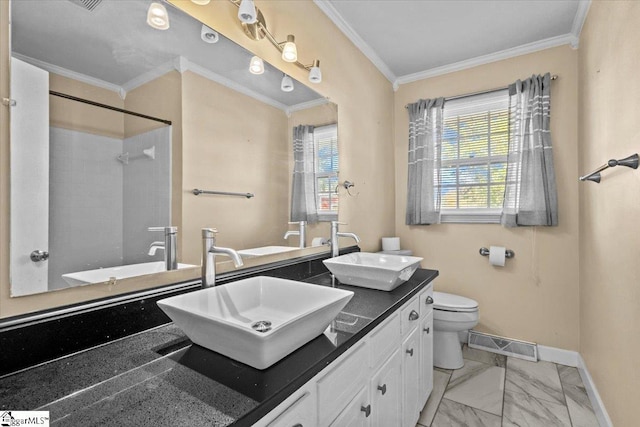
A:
451, 314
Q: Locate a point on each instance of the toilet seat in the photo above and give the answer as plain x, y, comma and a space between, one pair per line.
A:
449, 302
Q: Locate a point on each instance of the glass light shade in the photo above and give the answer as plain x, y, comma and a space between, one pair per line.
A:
157, 16
289, 51
256, 66
287, 84
315, 74
247, 12
201, 2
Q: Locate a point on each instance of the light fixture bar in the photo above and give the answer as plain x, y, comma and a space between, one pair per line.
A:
278, 45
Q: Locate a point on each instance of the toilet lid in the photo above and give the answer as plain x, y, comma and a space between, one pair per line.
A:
450, 302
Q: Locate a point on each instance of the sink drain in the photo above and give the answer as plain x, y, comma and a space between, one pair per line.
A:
262, 326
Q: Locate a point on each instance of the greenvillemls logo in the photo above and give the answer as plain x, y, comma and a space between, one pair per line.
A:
24, 418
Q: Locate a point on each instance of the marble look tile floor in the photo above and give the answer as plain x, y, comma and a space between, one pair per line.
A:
498, 391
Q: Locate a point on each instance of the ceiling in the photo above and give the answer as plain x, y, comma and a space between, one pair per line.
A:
113, 47
410, 40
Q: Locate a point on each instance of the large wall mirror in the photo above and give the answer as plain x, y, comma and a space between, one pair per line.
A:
88, 178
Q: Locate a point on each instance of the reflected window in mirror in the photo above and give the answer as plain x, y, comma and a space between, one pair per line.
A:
326, 172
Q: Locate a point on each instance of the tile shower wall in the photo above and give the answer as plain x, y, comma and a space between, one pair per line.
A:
96, 200
85, 204
146, 194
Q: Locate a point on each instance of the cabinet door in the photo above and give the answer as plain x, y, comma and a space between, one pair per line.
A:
357, 413
300, 413
411, 379
386, 393
426, 359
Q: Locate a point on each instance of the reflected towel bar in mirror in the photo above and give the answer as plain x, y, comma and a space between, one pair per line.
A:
223, 193
631, 162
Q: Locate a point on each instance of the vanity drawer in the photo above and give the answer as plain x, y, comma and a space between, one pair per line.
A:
384, 340
426, 300
301, 412
410, 315
339, 386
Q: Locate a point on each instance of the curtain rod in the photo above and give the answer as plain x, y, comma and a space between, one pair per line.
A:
108, 107
482, 92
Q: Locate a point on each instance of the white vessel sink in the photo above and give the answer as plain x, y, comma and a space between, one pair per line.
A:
265, 250
121, 272
374, 271
256, 321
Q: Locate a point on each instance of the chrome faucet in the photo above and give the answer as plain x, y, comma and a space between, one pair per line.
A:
335, 247
169, 246
302, 232
209, 251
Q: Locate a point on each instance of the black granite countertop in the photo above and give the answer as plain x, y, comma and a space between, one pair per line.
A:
158, 377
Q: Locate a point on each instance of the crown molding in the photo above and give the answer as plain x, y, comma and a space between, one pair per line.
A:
306, 105
70, 74
352, 35
578, 21
210, 75
150, 75
486, 59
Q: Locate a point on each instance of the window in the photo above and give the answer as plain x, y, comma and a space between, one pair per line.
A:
473, 157
325, 139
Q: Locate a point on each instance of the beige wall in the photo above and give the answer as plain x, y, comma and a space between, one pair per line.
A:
535, 296
232, 143
609, 211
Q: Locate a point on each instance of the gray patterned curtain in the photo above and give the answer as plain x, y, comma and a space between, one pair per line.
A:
530, 193
423, 185
303, 193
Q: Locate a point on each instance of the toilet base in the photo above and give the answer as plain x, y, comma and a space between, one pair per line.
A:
447, 350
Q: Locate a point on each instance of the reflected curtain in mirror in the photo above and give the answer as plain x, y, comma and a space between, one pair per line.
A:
303, 192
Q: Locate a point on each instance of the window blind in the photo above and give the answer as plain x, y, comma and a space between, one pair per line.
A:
471, 180
326, 145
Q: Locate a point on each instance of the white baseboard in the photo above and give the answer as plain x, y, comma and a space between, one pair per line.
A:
594, 396
558, 355
573, 358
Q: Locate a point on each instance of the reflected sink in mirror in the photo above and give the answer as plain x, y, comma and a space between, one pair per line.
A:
265, 250
256, 321
121, 272
374, 271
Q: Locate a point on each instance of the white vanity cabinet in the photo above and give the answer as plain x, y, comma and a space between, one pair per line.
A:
384, 380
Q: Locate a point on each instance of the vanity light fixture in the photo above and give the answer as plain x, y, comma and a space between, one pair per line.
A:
247, 12
256, 66
287, 84
157, 16
289, 51
201, 2
315, 74
208, 35
256, 29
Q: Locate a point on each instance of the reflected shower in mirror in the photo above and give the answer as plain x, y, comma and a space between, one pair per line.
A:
87, 181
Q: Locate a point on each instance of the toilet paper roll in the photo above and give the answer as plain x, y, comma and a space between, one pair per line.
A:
497, 255
318, 241
390, 243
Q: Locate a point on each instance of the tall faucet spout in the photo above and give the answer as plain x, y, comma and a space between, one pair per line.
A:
209, 250
354, 236
235, 256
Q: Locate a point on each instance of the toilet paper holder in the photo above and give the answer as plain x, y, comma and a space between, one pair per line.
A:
507, 253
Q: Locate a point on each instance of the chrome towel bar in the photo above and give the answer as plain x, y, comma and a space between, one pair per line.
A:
223, 193
630, 162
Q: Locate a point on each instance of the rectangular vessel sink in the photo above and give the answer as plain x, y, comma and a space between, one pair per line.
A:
121, 272
265, 250
374, 271
256, 321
